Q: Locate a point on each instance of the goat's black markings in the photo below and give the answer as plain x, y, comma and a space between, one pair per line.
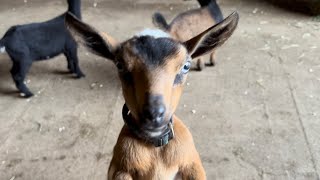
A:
204, 3
214, 9
179, 78
154, 51
127, 77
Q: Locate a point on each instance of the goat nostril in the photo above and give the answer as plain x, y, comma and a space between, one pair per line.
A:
154, 114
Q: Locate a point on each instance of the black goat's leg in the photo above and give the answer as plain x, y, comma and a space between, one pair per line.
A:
19, 71
70, 63
78, 71
212, 61
73, 61
200, 64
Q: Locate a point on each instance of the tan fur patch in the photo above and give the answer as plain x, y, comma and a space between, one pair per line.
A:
109, 39
146, 162
191, 23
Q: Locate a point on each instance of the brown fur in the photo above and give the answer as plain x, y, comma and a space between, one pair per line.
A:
191, 23
111, 40
152, 81
134, 158
143, 161
188, 25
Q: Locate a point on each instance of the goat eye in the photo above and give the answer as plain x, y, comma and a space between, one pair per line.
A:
186, 67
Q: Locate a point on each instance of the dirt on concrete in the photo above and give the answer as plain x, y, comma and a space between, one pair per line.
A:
255, 115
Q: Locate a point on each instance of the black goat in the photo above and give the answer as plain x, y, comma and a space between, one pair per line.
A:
40, 41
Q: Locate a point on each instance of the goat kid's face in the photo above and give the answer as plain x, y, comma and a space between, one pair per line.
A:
152, 78
152, 69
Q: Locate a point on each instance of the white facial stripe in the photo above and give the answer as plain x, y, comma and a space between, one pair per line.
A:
156, 33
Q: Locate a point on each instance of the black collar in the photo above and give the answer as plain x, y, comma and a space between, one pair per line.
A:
164, 139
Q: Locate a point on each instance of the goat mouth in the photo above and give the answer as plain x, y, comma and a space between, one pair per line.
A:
154, 132
158, 136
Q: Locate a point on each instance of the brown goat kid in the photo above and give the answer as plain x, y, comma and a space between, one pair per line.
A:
153, 144
191, 23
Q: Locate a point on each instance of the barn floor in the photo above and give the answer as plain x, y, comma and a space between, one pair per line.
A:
255, 115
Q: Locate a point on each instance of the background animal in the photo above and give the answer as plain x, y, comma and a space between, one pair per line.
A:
40, 41
191, 23
153, 67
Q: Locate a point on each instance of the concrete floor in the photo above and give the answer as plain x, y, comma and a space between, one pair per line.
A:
256, 112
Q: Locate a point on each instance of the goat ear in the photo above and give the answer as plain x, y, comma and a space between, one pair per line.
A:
213, 37
99, 43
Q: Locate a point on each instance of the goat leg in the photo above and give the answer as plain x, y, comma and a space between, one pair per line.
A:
18, 72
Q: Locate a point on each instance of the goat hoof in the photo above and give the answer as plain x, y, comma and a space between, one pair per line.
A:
210, 64
80, 75
200, 65
26, 95
199, 68
71, 69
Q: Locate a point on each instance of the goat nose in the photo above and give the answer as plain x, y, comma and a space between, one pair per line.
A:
155, 114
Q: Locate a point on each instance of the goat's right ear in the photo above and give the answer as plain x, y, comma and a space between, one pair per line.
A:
213, 37
99, 43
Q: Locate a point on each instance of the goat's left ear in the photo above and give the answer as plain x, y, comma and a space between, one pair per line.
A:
100, 44
213, 37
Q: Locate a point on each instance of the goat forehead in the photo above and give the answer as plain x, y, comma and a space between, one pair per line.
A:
153, 52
